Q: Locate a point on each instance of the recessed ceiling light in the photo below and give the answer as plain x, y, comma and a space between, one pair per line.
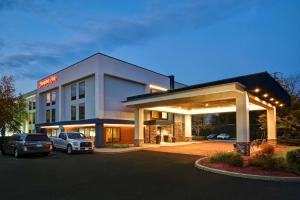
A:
265, 95
277, 102
206, 104
272, 99
281, 105
256, 90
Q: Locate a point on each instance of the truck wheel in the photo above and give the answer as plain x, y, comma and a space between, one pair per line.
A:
53, 148
69, 149
16, 153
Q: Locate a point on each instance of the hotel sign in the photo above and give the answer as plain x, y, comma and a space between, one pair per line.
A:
47, 81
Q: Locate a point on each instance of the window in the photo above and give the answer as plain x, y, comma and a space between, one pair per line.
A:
53, 116
48, 99
33, 118
29, 105
73, 92
81, 111
112, 135
164, 115
73, 112
47, 115
53, 97
81, 90
33, 105
154, 114
159, 115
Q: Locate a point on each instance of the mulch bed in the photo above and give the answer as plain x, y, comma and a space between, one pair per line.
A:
246, 169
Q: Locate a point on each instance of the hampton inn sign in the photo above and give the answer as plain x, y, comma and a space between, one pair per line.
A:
47, 81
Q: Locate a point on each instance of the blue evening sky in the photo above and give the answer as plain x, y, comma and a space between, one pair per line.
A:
196, 40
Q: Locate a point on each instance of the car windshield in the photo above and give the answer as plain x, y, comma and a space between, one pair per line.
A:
35, 138
76, 136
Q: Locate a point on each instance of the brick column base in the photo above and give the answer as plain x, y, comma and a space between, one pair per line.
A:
272, 142
138, 142
188, 139
243, 148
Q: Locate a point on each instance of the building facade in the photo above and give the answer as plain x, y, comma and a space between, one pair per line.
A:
87, 97
112, 101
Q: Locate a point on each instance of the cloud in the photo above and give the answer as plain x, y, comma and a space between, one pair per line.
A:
111, 32
30, 66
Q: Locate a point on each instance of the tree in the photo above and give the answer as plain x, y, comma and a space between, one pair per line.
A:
288, 118
12, 106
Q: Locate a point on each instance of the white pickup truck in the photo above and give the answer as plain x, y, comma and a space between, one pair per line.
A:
71, 142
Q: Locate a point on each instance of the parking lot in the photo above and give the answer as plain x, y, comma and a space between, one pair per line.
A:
135, 175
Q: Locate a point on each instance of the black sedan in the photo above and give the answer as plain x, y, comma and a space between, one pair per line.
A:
21, 144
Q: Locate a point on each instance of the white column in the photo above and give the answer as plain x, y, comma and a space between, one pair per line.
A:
99, 95
242, 124
188, 127
139, 127
60, 106
271, 123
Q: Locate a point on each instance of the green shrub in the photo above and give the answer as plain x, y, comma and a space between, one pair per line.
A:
199, 138
266, 149
293, 160
231, 158
268, 162
116, 146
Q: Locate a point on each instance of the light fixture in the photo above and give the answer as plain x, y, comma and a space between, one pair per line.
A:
281, 105
158, 88
272, 99
206, 104
256, 90
266, 95
277, 102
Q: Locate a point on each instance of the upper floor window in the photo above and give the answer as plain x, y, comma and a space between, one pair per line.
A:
81, 111
81, 90
53, 97
47, 115
53, 115
73, 112
33, 104
29, 105
48, 99
73, 92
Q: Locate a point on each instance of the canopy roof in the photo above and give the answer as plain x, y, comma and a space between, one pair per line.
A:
262, 85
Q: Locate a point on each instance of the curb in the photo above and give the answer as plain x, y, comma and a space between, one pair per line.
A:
247, 176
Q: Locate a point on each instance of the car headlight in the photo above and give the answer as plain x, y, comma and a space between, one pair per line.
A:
75, 143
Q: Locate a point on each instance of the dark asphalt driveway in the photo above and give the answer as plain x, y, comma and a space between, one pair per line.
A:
135, 175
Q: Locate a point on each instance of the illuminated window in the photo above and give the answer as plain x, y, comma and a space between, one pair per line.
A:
154, 114
48, 99
73, 92
47, 115
81, 90
81, 111
112, 135
73, 112
53, 98
53, 115
164, 115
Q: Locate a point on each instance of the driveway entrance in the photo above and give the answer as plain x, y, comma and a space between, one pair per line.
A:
205, 148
